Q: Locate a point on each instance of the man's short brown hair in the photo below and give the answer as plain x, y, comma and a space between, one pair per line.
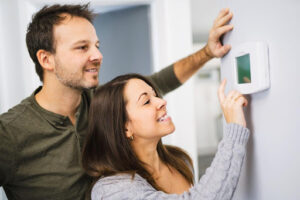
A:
40, 30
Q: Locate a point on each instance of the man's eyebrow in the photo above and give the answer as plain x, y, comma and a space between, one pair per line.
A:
85, 41
81, 41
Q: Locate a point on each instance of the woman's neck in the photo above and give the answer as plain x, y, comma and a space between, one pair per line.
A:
165, 176
147, 153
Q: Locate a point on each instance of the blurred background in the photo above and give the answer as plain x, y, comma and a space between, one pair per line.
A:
140, 36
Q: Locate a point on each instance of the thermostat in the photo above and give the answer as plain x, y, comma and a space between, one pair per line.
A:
251, 67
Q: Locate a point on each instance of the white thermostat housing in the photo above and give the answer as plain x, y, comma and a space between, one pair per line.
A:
251, 67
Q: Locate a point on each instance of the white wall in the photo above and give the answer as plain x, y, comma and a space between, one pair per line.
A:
271, 170
10, 58
203, 14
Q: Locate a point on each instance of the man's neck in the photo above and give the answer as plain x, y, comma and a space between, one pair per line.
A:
59, 99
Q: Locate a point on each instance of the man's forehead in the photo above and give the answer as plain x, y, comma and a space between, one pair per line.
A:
74, 29
75, 22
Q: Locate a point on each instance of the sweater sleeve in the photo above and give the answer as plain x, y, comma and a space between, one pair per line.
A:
218, 182
165, 80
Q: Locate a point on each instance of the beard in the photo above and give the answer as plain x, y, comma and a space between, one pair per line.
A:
74, 80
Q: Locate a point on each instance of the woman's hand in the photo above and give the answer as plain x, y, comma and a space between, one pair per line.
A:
232, 105
214, 47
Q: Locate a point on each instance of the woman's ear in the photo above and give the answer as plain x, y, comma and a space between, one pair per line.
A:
128, 130
45, 59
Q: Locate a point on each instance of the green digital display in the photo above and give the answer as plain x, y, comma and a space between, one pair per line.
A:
243, 69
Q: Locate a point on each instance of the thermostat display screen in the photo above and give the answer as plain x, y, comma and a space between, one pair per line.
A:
243, 69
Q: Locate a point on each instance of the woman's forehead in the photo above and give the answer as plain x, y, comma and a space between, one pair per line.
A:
136, 87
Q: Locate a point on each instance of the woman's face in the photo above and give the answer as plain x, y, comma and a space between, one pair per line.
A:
147, 113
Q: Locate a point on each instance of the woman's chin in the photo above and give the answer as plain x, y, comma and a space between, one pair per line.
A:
170, 131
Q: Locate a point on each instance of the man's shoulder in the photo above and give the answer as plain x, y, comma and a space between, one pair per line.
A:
16, 112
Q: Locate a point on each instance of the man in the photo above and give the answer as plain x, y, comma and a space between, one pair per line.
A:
42, 137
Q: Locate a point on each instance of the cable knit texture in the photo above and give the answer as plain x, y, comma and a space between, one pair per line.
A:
218, 182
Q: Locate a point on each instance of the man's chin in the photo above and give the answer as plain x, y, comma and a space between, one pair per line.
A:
92, 86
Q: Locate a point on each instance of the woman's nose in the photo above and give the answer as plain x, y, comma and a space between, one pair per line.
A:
161, 103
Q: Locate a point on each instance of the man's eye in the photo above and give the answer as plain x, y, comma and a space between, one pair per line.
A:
147, 102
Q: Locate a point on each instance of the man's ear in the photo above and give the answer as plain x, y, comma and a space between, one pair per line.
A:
45, 59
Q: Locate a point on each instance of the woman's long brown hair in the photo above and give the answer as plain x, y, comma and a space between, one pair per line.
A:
107, 150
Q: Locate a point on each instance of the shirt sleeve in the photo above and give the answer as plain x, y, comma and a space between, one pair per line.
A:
7, 157
165, 80
218, 182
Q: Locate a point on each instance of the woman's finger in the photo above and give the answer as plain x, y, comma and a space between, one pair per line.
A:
231, 94
246, 103
236, 95
242, 101
221, 90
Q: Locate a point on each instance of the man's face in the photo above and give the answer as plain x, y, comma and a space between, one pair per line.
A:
77, 56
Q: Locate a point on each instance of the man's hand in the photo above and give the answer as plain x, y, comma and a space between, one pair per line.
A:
187, 66
214, 47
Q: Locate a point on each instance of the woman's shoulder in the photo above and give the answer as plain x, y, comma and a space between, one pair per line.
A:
119, 178
113, 187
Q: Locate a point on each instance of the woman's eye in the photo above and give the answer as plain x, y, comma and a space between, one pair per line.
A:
147, 102
82, 47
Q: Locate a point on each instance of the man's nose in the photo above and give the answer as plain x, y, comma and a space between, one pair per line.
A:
96, 55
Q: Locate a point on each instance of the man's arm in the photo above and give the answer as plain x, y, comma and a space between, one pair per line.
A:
183, 69
6, 157
165, 80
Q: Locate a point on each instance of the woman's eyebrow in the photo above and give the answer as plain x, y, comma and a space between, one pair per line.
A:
144, 93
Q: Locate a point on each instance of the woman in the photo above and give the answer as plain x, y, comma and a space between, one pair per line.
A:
125, 155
